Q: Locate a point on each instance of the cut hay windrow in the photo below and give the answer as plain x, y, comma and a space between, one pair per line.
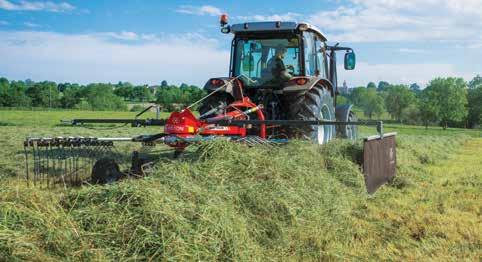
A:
300, 201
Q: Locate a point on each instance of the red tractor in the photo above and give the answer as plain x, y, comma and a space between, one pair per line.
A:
289, 70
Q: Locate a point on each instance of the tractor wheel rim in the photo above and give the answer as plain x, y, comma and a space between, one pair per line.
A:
349, 129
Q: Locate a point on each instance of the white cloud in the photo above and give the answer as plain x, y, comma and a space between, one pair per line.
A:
128, 36
411, 51
420, 73
409, 20
275, 17
199, 10
88, 58
30, 24
124, 35
36, 6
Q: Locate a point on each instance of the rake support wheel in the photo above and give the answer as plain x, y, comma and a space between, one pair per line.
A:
106, 171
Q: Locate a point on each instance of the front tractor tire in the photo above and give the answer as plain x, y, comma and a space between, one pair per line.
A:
314, 104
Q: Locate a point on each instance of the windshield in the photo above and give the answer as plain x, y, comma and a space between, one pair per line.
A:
267, 61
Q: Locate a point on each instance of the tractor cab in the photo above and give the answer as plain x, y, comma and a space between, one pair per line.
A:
272, 53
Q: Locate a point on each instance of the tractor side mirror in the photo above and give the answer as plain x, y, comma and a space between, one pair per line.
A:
350, 60
248, 63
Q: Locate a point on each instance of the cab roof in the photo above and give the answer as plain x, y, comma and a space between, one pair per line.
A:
273, 26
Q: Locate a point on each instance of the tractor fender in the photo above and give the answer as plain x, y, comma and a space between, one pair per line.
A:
342, 112
229, 89
292, 86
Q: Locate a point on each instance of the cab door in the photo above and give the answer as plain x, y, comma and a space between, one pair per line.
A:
309, 61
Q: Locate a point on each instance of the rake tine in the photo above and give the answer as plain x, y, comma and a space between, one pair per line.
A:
65, 165
48, 150
36, 163
25, 146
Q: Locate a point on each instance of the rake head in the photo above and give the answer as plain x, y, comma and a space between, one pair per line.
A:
65, 161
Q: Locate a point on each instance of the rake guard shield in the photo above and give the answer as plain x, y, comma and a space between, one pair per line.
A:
379, 160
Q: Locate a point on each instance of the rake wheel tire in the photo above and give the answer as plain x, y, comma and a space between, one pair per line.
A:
314, 104
105, 171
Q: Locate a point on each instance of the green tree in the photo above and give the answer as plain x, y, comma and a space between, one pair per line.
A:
70, 96
428, 107
475, 82
164, 84
341, 100
4, 95
447, 98
474, 99
142, 93
17, 94
356, 95
372, 103
43, 94
415, 88
124, 90
382, 85
398, 98
371, 85
13, 93
411, 115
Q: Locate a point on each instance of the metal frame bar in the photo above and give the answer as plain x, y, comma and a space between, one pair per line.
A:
133, 122
162, 122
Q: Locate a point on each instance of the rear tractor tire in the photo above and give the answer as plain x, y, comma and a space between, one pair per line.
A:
314, 104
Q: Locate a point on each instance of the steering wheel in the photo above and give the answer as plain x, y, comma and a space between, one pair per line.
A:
291, 69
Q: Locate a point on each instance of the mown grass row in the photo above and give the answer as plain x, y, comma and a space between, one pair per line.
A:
231, 202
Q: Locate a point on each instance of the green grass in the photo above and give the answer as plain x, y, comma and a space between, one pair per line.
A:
227, 201
53, 118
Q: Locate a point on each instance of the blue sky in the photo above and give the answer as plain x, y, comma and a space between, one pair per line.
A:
148, 41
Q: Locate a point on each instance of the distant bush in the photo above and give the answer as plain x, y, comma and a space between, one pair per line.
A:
137, 108
102, 97
411, 115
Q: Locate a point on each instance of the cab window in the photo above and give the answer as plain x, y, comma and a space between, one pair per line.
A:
320, 59
253, 58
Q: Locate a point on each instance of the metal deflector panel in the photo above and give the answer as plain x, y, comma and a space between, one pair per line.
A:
379, 160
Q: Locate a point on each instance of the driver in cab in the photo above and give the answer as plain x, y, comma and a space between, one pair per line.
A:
277, 66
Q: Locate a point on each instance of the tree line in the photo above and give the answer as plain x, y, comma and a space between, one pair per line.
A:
94, 96
445, 101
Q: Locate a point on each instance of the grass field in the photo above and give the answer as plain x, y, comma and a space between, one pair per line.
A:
231, 202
